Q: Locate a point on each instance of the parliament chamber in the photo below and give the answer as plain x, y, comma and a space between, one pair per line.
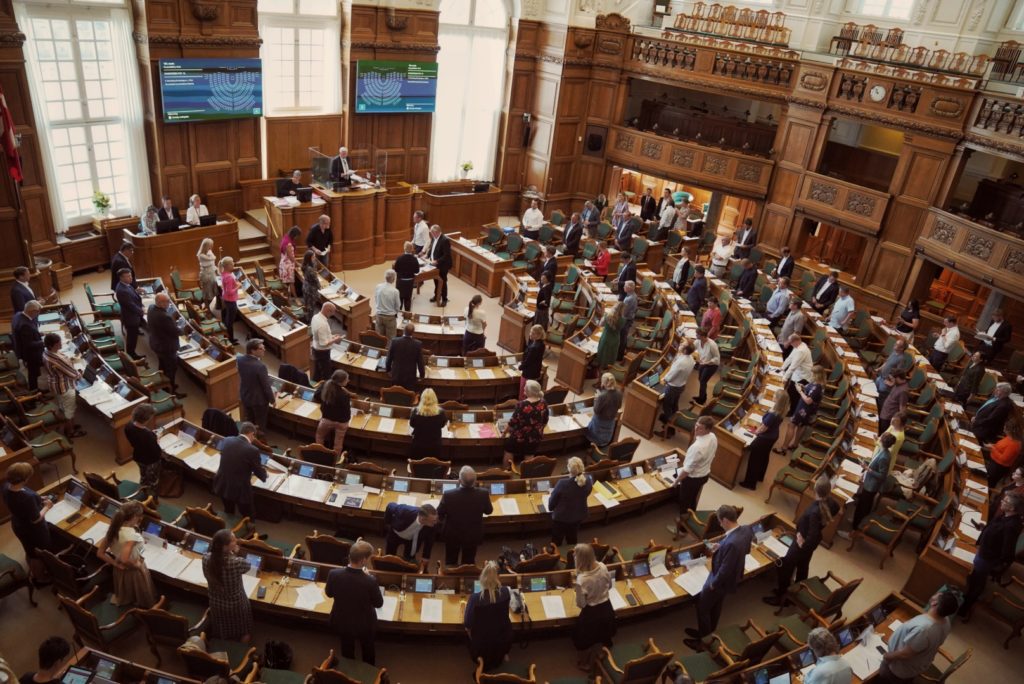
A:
334, 324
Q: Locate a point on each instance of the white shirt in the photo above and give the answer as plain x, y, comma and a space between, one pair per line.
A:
533, 219
831, 669
821, 290
782, 263
193, 214
679, 372
700, 454
421, 234
992, 329
678, 273
475, 323
707, 353
320, 327
798, 365
387, 300
721, 253
668, 217
412, 533
946, 339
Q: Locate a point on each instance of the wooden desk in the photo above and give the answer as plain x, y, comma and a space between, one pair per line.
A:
287, 337
357, 222
454, 205
477, 266
442, 335
156, 255
351, 308
283, 213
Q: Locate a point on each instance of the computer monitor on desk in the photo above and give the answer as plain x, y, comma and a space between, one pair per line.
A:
168, 226
208, 220
304, 194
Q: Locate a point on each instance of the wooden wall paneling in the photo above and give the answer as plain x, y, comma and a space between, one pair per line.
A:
887, 269
397, 215
357, 229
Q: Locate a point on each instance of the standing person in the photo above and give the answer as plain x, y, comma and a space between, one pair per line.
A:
533, 219
420, 233
322, 339
320, 238
542, 316
843, 310
427, 422
608, 344
648, 205
54, 656
550, 265
28, 516
164, 339
721, 252
1005, 453
666, 221
948, 336
207, 270
746, 238
712, 318
912, 647
896, 429
286, 263
825, 292
809, 528
572, 236
808, 398
595, 625
970, 379
121, 548
698, 291
335, 411
991, 417
895, 400
600, 202
440, 255
310, 285
898, 360
624, 233
123, 259
568, 503
28, 343
239, 461
797, 369
681, 273
997, 549
747, 281
21, 289
228, 297
532, 365
627, 272
196, 210
778, 303
794, 324
996, 335
696, 466
63, 377
675, 379
601, 428
910, 318
462, 512
526, 426
620, 211
875, 472
487, 621
254, 388
387, 302
476, 324
341, 167
410, 528
131, 312
727, 560
223, 567
146, 451
708, 358
829, 668
630, 304
591, 216
406, 267
760, 450
786, 264
405, 359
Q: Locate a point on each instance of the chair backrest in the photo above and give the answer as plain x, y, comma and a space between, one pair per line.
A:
465, 570
333, 676
163, 626
645, 669
956, 664
755, 651
537, 466
833, 605
319, 454
556, 395
495, 474
398, 396
202, 666
452, 405
624, 449
429, 468
290, 373
90, 296
324, 548
544, 561
203, 521
64, 577
373, 338
367, 467
262, 547
392, 563
87, 627
102, 485
515, 242
219, 422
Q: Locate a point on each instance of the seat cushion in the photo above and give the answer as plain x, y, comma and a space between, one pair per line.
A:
272, 676
734, 638
107, 613
192, 612
125, 488
236, 650
51, 450
879, 534
622, 654
796, 627
801, 594
700, 665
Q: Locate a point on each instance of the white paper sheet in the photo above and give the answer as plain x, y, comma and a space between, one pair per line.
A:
618, 603
166, 561
485, 374
305, 409
508, 506
431, 610
201, 363
553, 607
388, 610
863, 660
196, 460
750, 564
408, 500
193, 573
97, 531
308, 596
642, 485
963, 554
659, 587
692, 581
775, 546
386, 425
61, 511
607, 503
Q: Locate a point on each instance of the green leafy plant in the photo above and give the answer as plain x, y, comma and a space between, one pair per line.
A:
467, 166
101, 202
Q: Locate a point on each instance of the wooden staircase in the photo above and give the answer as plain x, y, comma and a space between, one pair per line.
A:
254, 249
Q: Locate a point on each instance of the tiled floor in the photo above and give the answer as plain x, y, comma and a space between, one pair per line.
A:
426, 659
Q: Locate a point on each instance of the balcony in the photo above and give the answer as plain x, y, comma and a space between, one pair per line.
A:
998, 122
994, 258
843, 204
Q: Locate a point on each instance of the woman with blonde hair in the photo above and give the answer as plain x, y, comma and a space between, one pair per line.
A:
601, 428
767, 434
487, 621
526, 426
568, 503
122, 549
595, 626
207, 270
196, 210
608, 344
427, 422
228, 297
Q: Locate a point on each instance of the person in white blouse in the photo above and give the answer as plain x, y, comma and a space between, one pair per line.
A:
196, 210
420, 232
207, 269
533, 219
696, 466
949, 335
667, 220
721, 252
797, 368
595, 625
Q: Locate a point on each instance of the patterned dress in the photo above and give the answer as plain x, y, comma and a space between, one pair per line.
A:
286, 267
310, 293
526, 427
132, 586
230, 612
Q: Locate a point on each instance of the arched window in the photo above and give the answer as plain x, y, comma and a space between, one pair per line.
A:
473, 36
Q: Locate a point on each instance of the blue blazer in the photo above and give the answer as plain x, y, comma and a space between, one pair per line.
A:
727, 563
398, 517
21, 295
131, 304
253, 381
568, 501
697, 293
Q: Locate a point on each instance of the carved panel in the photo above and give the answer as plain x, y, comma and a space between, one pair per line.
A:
683, 158
609, 45
823, 192
612, 22
1015, 261
748, 172
651, 149
946, 107
813, 80
715, 165
624, 142
943, 232
859, 203
978, 246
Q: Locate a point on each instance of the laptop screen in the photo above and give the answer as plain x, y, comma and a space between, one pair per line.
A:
641, 569
200, 545
306, 572
306, 470
497, 488
423, 585
255, 560
538, 584
353, 479
76, 675
400, 485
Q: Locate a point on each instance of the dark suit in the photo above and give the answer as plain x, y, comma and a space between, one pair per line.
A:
988, 349
21, 294
624, 238
163, 340
287, 187
785, 268
239, 461
591, 217
696, 295
131, 315
397, 518
254, 389
988, 422
173, 215
406, 266
462, 512
810, 525
743, 246
339, 168
28, 345
828, 296
405, 362
442, 253
628, 272
746, 283
550, 268
649, 209
116, 264
726, 573
997, 546
571, 238
353, 616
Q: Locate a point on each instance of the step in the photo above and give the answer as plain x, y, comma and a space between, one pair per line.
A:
253, 240
258, 218
254, 249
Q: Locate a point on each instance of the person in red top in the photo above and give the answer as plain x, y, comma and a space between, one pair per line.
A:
228, 297
601, 260
712, 320
1005, 453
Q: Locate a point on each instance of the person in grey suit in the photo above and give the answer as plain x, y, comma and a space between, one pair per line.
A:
356, 598
239, 461
131, 311
164, 339
405, 359
726, 572
254, 388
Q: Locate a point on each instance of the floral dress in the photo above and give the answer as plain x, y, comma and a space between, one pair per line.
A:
526, 427
286, 267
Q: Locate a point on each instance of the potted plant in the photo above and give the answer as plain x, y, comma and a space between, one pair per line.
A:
466, 166
101, 203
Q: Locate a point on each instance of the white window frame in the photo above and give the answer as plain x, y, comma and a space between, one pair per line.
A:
328, 69
856, 7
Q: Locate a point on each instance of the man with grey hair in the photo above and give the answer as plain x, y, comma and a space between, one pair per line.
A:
28, 343
990, 419
830, 668
341, 167
164, 338
387, 301
630, 303
462, 511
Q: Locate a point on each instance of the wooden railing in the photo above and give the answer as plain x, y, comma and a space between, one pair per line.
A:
844, 204
990, 256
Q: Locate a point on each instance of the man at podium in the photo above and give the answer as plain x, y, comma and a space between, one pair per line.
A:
341, 167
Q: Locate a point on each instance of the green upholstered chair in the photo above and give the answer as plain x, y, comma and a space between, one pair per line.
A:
98, 622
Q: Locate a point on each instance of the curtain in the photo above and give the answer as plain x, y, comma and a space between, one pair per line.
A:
331, 71
126, 64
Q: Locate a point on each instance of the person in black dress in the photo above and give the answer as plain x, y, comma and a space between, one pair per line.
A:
487, 622
543, 315
146, 450
532, 365
28, 516
909, 319
760, 449
427, 422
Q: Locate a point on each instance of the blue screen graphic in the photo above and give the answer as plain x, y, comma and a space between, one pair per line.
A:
210, 89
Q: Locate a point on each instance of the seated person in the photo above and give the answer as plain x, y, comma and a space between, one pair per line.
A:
196, 210
147, 224
288, 187
168, 212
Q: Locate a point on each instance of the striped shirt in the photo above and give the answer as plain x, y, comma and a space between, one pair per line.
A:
62, 374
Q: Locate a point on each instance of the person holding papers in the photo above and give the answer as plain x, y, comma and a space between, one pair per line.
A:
727, 561
239, 461
526, 426
875, 472
335, 411
997, 547
809, 528
427, 422
356, 598
913, 645
323, 339
63, 377
487, 619
410, 528
830, 668
146, 450
595, 626
462, 511
121, 548
28, 516
995, 336
223, 567
760, 450
948, 336
568, 503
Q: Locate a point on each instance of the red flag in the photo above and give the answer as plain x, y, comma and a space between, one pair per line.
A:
7, 140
